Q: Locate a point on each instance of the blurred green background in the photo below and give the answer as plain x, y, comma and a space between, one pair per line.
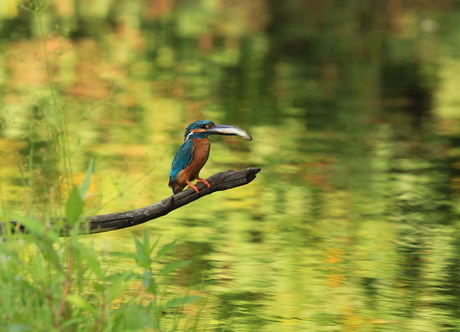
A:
354, 107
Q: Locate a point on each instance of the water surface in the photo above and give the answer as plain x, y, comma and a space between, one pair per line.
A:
352, 224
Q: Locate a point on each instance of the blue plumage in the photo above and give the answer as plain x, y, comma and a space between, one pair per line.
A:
182, 159
197, 129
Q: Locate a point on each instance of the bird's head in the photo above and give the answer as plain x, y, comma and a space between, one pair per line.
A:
204, 128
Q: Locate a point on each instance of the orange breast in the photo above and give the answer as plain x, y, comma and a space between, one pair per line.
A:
200, 157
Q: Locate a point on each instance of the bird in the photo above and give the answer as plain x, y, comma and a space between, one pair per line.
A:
194, 152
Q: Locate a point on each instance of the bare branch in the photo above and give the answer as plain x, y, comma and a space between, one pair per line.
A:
109, 222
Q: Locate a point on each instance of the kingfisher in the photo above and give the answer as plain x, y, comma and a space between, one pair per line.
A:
194, 152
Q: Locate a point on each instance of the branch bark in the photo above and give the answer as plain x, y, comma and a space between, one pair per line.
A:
109, 222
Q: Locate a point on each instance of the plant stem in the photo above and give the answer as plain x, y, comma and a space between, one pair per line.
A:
61, 128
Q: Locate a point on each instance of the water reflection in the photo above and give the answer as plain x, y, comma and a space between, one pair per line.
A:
352, 223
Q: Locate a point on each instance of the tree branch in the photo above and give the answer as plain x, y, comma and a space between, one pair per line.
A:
109, 222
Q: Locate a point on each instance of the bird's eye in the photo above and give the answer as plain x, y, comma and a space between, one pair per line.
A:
203, 126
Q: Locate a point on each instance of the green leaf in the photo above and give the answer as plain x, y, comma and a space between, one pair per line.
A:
165, 250
87, 180
117, 287
114, 290
80, 302
32, 225
180, 301
173, 266
147, 242
152, 287
122, 276
18, 327
142, 258
93, 263
37, 228
123, 254
74, 207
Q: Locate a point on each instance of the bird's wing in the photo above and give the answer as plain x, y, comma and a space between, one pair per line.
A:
182, 159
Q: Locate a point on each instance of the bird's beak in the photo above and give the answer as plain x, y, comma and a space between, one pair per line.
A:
228, 130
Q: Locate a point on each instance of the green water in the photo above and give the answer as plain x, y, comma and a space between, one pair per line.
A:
354, 107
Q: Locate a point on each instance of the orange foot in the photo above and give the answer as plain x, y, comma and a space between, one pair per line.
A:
193, 186
205, 182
